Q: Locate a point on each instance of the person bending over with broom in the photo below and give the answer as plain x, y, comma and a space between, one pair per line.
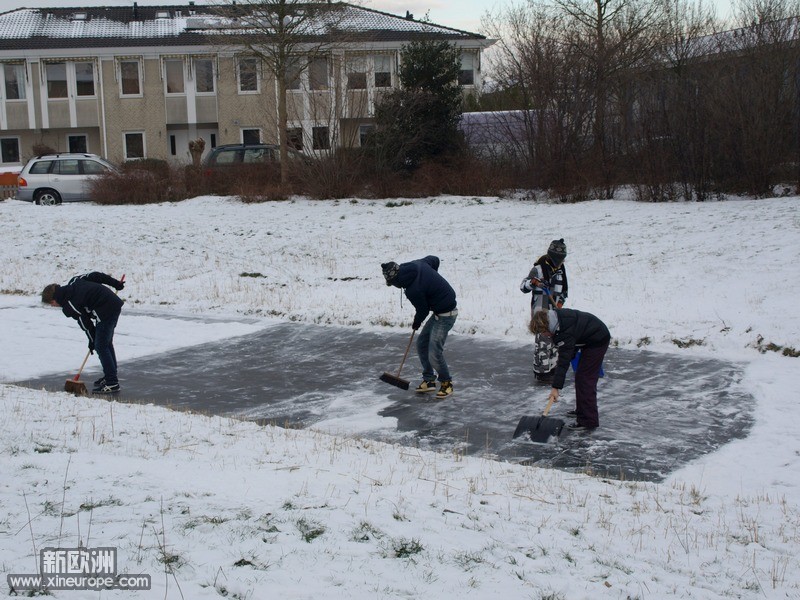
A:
572, 330
87, 300
428, 291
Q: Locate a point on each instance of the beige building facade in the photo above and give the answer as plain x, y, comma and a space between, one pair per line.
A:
129, 83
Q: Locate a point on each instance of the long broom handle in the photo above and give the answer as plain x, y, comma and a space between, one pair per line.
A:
85, 358
402, 362
83, 364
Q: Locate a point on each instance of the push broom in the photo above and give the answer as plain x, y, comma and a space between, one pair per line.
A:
75, 385
395, 379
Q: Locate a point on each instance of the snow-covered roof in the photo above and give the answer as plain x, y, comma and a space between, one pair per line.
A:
179, 25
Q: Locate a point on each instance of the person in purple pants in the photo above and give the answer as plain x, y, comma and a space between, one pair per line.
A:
574, 330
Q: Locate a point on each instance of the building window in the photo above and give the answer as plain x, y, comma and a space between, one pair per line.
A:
84, 79
77, 143
9, 150
466, 76
14, 76
248, 75
364, 134
294, 69
356, 73
318, 74
174, 76
294, 138
320, 138
134, 145
130, 82
204, 75
251, 136
56, 80
383, 71
59, 76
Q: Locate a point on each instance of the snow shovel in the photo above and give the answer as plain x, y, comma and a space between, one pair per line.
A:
540, 429
395, 379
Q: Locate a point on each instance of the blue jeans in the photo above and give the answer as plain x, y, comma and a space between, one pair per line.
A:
430, 347
104, 346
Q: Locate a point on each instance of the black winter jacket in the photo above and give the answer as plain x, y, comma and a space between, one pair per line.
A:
576, 329
86, 300
425, 288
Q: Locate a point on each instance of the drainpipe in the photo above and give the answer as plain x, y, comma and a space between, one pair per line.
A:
100, 79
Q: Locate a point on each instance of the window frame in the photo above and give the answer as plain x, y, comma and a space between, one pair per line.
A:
3, 140
376, 72
466, 77
78, 135
316, 140
122, 92
91, 65
256, 73
167, 74
72, 84
314, 84
212, 76
21, 83
249, 130
125, 148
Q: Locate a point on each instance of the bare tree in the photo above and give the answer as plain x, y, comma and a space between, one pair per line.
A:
288, 36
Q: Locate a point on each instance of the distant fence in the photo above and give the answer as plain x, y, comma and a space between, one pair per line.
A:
8, 185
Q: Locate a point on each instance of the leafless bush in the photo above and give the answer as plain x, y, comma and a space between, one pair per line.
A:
146, 181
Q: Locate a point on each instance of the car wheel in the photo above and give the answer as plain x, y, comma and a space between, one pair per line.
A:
47, 198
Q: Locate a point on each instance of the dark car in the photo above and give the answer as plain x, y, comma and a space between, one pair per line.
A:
231, 155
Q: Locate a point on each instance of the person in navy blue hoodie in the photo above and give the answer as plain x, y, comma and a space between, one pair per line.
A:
572, 330
86, 299
428, 292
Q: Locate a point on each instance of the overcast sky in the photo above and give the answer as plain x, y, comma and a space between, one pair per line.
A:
461, 14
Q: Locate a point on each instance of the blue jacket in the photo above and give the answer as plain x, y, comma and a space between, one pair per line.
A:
425, 288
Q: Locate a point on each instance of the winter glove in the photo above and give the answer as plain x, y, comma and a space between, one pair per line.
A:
91, 347
525, 286
119, 285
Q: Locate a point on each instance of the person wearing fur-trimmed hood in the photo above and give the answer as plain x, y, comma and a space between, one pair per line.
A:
572, 330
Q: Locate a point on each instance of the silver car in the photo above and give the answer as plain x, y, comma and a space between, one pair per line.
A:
55, 178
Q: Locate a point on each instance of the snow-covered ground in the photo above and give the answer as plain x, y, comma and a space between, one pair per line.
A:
212, 507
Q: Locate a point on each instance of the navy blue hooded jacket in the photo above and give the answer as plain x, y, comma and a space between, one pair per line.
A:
85, 299
576, 329
425, 288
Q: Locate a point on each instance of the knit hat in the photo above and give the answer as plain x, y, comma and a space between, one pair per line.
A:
557, 251
390, 270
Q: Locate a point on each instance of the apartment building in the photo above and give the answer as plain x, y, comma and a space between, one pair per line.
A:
142, 81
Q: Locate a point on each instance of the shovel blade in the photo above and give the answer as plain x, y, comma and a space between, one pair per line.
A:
395, 381
75, 387
540, 429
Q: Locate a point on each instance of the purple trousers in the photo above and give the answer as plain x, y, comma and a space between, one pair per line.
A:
586, 385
